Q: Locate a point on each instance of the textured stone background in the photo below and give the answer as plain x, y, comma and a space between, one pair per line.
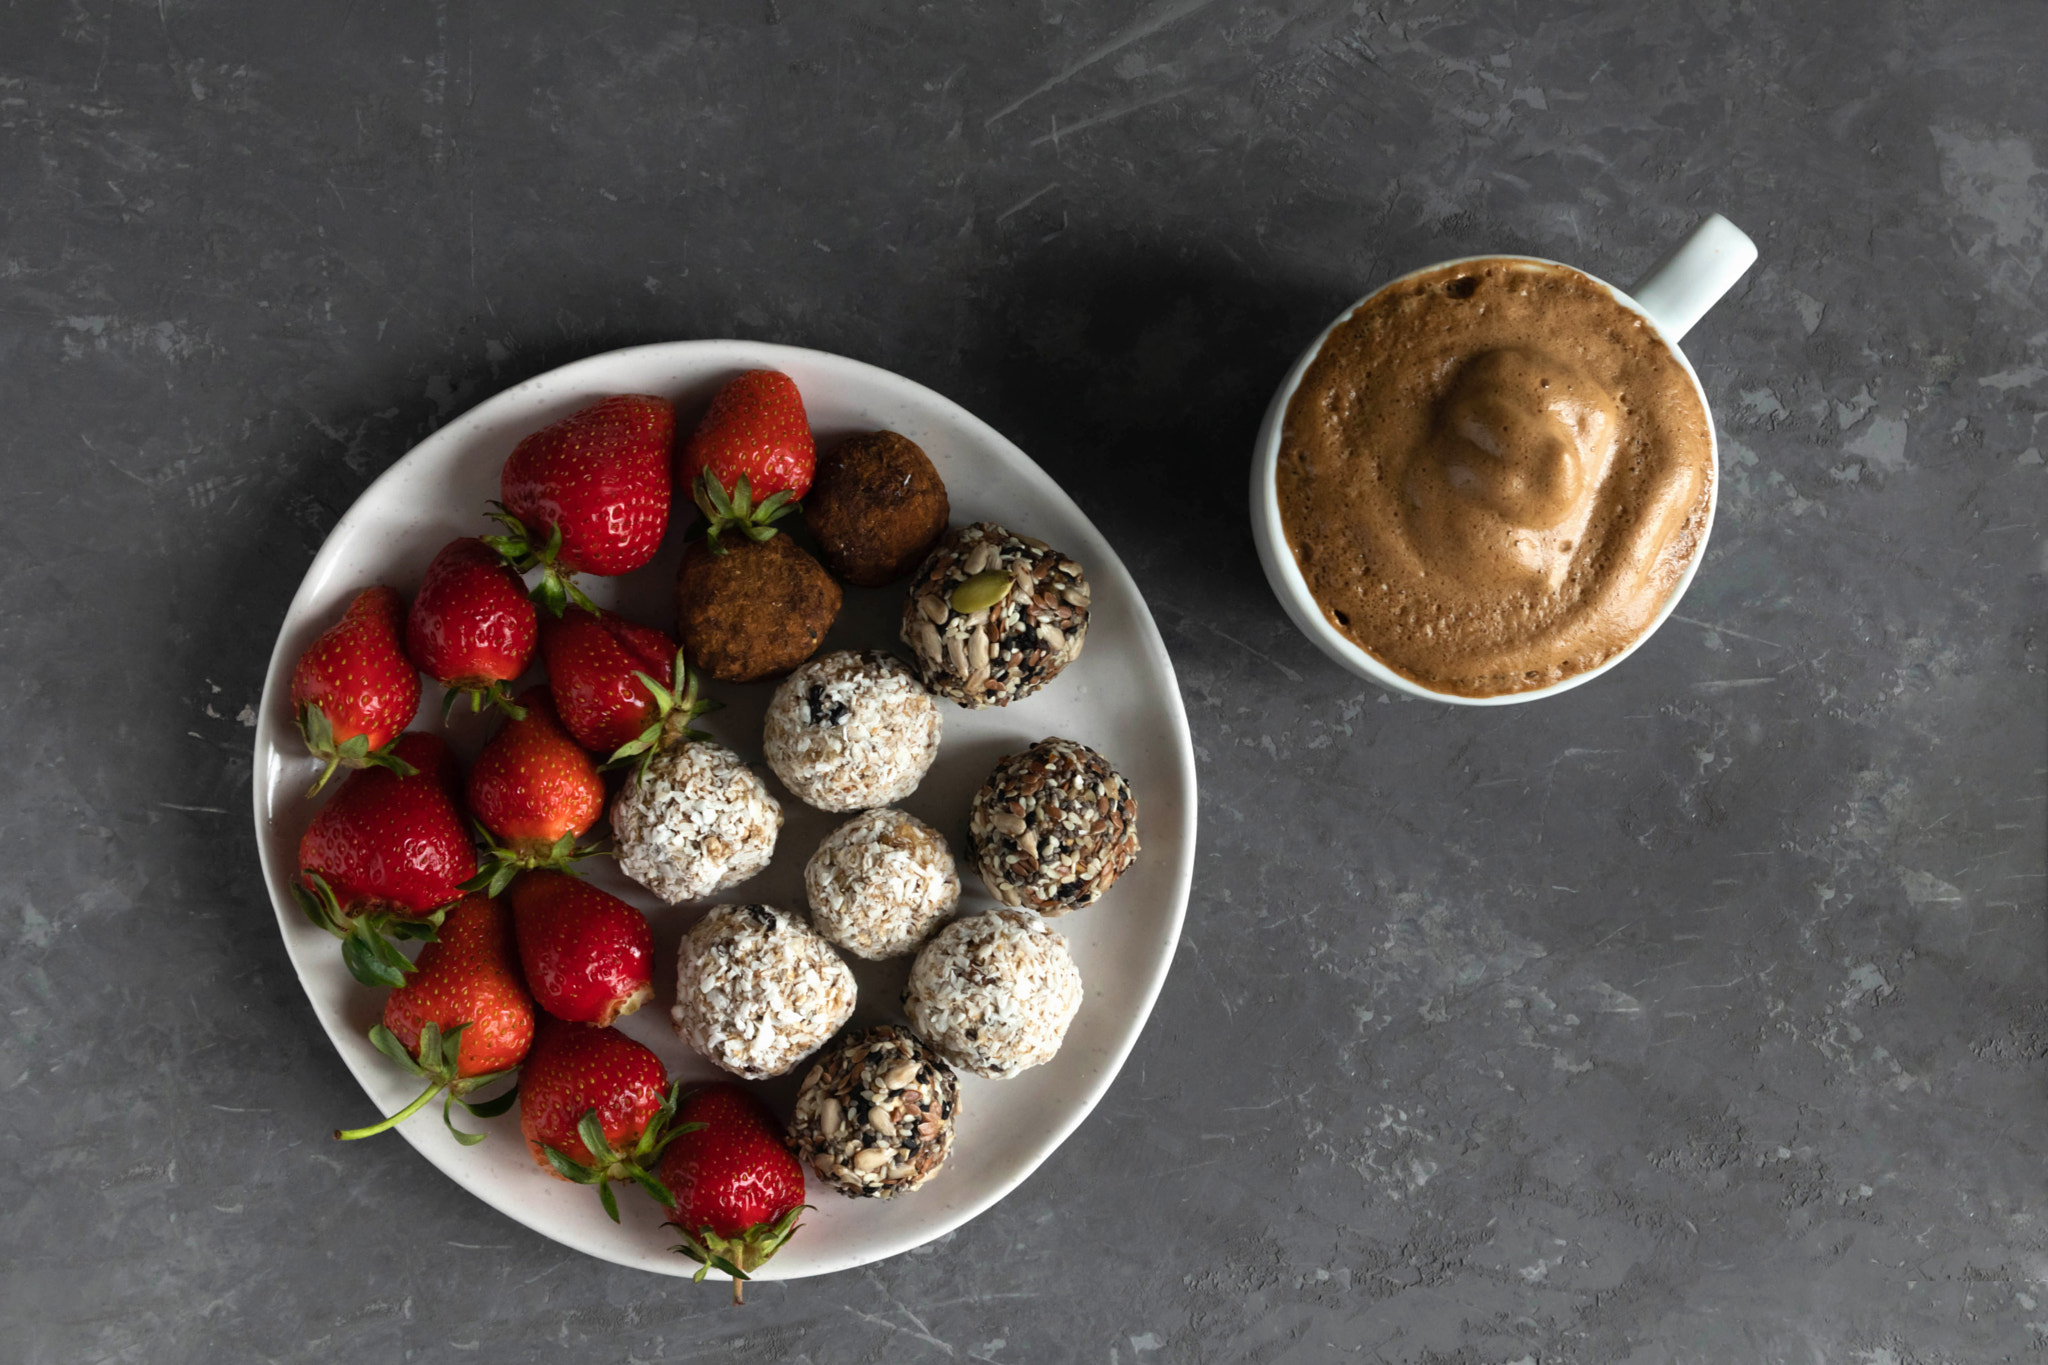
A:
1694, 1016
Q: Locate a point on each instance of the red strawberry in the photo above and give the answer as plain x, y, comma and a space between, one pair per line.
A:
472, 628
589, 494
384, 855
534, 792
755, 427
354, 690
463, 1021
595, 667
595, 1107
751, 456
589, 956
738, 1190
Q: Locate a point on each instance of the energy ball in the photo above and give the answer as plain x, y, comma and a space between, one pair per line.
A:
993, 616
852, 731
875, 1116
757, 991
695, 821
994, 993
875, 508
756, 611
1053, 827
880, 884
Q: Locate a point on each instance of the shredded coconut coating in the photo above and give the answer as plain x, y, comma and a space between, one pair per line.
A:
850, 731
880, 883
757, 991
875, 1116
999, 653
1053, 827
994, 993
698, 820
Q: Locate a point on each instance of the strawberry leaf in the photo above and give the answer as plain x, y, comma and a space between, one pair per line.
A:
491, 1108
316, 898
451, 1049
425, 929
655, 1190
609, 1200
569, 1170
383, 758
448, 1121
386, 1042
515, 547
592, 1132
369, 955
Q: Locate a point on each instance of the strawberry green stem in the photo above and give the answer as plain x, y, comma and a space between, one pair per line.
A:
672, 716
354, 752
500, 863
635, 1164
478, 693
439, 1059
737, 511
351, 1134
557, 587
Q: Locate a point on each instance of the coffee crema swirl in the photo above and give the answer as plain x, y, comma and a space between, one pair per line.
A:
1493, 475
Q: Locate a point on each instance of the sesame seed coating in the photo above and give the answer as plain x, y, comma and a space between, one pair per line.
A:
1053, 827
875, 1116
1007, 649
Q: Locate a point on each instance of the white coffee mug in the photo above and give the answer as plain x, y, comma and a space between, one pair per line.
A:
1675, 294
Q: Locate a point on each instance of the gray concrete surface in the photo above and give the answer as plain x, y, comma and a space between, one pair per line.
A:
1695, 1016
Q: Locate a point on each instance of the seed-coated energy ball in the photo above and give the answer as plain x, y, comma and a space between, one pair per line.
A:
695, 821
852, 731
994, 993
881, 883
757, 990
875, 1116
1053, 827
993, 616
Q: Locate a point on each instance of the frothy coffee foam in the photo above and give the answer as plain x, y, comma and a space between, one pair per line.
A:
1492, 476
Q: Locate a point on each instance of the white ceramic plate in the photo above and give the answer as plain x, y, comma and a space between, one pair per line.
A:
1120, 697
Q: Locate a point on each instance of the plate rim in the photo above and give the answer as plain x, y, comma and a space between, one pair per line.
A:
276, 684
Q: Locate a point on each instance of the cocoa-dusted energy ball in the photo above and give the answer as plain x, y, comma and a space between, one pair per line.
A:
993, 616
875, 508
851, 731
994, 993
695, 820
880, 883
757, 990
1053, 827
755, 611
875, 1116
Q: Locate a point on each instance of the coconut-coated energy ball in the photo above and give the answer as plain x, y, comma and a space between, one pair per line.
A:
851, 731
757, 990
880, 883
994, 993
695, 821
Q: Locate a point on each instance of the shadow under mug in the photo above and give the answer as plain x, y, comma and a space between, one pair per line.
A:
1674, 295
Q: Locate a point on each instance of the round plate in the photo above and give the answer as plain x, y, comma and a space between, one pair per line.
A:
1119, 697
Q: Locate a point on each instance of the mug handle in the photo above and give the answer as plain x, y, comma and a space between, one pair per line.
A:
1680, 289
